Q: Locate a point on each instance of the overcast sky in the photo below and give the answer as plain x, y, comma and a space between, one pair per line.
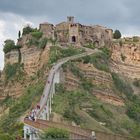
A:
115, 14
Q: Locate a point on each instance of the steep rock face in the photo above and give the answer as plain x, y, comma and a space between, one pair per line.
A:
30, 56
11, 57
126, 60
102, 81
32, 59
127, 53
13, 89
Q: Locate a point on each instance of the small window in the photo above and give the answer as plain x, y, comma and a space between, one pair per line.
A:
73, 39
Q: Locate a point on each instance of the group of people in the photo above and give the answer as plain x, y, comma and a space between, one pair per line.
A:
33, 114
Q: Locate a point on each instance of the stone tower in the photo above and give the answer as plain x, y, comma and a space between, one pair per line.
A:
70, 19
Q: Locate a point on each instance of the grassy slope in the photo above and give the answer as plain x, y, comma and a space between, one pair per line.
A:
88, 111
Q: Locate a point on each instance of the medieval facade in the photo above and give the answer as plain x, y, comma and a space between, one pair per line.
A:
77, 34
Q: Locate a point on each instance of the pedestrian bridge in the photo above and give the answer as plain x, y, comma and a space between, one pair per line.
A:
41, 115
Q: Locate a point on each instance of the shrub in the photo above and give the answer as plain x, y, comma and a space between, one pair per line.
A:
37, 34
43, 43
28, 29
135, 39
133, 111
33, 41
57, 53
6, 136
90, 45
122, 86
59, 88
55, 133
123, 57
120, 43
87, 84
136, 83
70, 114
100, 60
12, 69
10, 45
117, 34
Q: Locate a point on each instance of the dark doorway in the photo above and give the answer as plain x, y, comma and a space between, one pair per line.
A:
73, 39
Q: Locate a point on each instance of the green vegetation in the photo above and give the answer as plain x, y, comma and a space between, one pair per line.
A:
66, 102
123, 57
33, 41
6, 136
55, 133
10, 45
135, 39
19, 35
14, 71
122, 86
85, 83
133, 101
136, 83
42, 43
7, 102
37, 34
57, 53
9, 122
28, 29
99, 60
90, 45
117, 34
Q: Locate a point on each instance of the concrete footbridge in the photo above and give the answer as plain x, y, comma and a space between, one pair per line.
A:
32, 128
44, 108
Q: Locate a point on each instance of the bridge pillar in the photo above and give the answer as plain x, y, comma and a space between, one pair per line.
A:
26, 131
47, 110
30, 133
50, 104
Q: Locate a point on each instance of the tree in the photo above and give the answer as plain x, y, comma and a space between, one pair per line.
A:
9, 45
54, 133
19, 34
117, 34
27, 30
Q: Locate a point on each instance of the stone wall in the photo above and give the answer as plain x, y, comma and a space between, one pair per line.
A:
78, 34
47, 29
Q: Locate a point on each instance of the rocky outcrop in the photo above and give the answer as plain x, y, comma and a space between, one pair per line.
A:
127, 53
102, 81
126, 60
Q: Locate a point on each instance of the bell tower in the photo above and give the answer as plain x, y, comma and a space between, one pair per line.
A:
70, 19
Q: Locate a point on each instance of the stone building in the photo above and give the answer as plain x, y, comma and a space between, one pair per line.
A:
70, 32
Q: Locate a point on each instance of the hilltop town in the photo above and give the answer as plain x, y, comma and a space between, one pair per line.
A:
95, 91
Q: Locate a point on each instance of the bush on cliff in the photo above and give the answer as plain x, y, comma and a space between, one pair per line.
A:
28, 29
43, 43
37, 34
10, 45
14, 70
122, 86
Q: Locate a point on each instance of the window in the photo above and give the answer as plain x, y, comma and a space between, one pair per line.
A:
73, 39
